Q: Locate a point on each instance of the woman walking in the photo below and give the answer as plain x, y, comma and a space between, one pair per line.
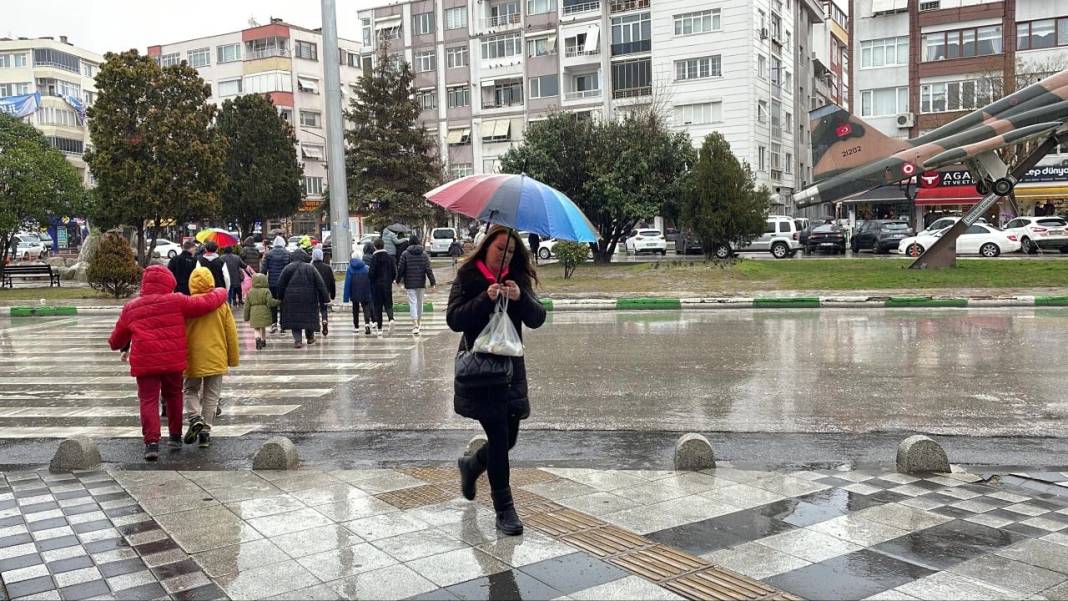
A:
303, 293
480, 282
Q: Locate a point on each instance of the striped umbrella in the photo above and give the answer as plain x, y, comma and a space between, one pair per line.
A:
516, 201
220, 237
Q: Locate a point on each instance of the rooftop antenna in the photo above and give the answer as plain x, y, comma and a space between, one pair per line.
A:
252, 21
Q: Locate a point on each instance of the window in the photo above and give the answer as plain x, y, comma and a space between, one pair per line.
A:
776, 27
231, 87
587, 83
458, 170
353, 60
762, 66
46, 57
632, 78
8, 61
762, 165
90, 97
58, 87
456, 18
424, 61
789, 163
307, 84
54, 116
365, 25
501, 46
423, 23
497, 131
271, 81
544, 86
169, 60
958, 95
456, 57
537, 7
884, 52
461, 135
389, 33
312, 151
201, 57
14, 89
66, 145
697, 68
776, 157
884, 101
87, 69
507, 94
458, 96
1046, 33
702, 21
762, 111
427, 99
930, 5
310, 119
788, 120
697, 114
228, 53
961, 43
306, 50
265, 47
313, 186
541, 46
631, 33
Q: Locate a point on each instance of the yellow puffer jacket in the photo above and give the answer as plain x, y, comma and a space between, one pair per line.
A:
211, 339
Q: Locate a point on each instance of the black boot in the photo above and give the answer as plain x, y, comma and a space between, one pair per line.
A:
507, 519
470, 470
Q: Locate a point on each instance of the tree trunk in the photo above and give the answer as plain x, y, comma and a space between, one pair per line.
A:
246, 228
141, 246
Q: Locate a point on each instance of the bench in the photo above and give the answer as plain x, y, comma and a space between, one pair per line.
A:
27, 272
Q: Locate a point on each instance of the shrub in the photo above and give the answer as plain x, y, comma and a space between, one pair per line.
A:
113, 268
570, 255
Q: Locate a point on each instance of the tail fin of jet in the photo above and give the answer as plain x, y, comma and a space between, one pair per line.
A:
842, 141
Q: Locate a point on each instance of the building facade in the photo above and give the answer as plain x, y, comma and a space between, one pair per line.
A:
486, 69
64, 76
284, 62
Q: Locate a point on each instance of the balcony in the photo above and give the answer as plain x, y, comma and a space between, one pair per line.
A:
506, 21
575, 51
582, 95
632, 47
582, 7
633, 92
619, 6
252, 55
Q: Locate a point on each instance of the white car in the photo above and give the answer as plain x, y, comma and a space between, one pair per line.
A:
29, 248
644, 241
441, 238
942, 223
545, 250
166, 249
357, 245
1034, 233
978, 239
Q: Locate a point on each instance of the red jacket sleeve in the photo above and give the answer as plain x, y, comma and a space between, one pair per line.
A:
201, 304
121, 334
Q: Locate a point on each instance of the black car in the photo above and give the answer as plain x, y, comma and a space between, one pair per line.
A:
827, 237
687, 244
880, 235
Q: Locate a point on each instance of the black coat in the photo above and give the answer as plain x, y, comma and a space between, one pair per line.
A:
328, 277
251, 256
273, 263
381, 269
302, 292
182, 266
469, 311
414, 269
216, 267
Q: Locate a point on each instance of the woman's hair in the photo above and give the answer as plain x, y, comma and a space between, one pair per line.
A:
520, 269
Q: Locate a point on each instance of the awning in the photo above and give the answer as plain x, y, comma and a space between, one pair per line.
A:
456, 136
387, 22
500, 128
1032, 192
882, 195
308, 85
312, 152
550, 44
947, 195
593, 33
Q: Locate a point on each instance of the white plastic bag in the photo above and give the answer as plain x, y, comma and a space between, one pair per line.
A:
499, 336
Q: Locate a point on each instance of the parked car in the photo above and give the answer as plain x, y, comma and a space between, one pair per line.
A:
646, 241
441, 239
357, 245
166, 248
545, 250
687, 243
28, 248
781, 238
981, 239
827, 237
673, 237
1034, 233
46, 242
879, 235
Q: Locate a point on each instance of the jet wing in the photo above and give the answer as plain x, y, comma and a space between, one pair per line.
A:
1016, 136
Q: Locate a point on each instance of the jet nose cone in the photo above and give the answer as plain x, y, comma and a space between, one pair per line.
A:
807, 197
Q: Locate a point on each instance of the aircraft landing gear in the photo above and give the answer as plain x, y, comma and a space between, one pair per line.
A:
982, 187
1003, 186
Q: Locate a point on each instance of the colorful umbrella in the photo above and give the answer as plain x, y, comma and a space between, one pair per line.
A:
220, 237
516, 201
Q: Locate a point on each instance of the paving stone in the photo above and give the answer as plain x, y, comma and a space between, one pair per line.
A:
858, 531
260, 582
852, 576
755, 560
385, 525
1008, 574
949, 585
809, 545
85, 590
944, 546
32, 586
504, 585
630, 587
396, 581
316, 540
532, 547
1041, 553
345, 561
234, 558
452, 567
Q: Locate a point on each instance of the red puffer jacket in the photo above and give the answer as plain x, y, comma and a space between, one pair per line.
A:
153, 324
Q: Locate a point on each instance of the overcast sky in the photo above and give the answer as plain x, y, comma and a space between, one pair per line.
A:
115, 25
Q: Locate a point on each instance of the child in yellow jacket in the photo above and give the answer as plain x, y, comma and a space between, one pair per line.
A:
212, 350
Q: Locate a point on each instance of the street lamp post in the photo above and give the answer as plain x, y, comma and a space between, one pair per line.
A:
341, 237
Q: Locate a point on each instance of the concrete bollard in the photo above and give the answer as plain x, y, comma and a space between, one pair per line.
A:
918, 454
693, 452
278, 453
75, 453
477, 442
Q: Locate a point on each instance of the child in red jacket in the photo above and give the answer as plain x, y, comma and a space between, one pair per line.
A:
152, 327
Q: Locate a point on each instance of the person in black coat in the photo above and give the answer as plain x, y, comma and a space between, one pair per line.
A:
479, 283
412, 272
273, 263
302, 292
328, 278
182, 266
382, 270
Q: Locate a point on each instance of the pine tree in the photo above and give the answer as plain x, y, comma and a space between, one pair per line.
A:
390, 161
113, 268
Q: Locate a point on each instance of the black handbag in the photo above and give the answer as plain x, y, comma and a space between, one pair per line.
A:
482, 370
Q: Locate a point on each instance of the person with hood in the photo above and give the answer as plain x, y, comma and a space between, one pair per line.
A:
480, 282
250, 254
273, 264
382, 270
328, 278
368, 250
413, 272
212, 351
390, 239
456, 250
358, 290
182, 266
215, 265
152, 328
302, 292
235, 273
259, 307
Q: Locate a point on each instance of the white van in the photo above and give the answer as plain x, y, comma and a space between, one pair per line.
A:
781, 238
441, 238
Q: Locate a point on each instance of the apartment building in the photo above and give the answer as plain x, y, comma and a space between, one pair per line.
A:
283, 61
64, 75
486, 69
830, 50
919, 65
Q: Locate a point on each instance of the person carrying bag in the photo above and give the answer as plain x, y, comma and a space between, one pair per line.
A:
491, 299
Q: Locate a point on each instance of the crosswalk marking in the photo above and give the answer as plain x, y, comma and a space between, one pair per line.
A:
102, 412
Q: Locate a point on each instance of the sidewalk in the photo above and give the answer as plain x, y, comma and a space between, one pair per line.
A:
591, 534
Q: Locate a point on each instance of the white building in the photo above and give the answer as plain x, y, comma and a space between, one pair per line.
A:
61, 72
485, 69
284, 62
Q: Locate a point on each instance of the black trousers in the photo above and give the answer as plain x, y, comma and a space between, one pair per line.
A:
368, 313
383, 294
501, 435
274, 310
